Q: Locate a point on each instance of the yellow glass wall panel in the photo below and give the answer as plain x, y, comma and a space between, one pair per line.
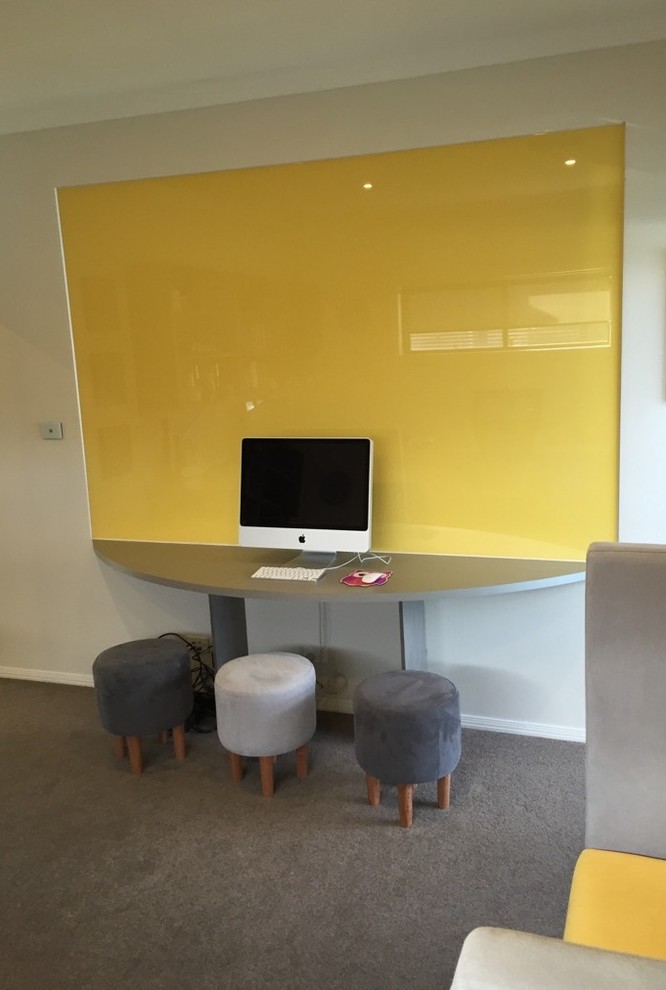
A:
458, 304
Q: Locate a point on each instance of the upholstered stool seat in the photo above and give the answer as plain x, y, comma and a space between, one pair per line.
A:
406, 732
144, 688
265, 705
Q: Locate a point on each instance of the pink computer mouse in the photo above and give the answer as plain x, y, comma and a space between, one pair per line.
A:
371, 576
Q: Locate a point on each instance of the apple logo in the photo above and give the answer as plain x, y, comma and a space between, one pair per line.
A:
301, 538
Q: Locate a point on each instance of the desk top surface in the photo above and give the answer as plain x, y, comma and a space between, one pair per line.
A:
227, 570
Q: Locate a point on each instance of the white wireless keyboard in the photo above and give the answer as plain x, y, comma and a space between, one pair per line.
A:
290, 573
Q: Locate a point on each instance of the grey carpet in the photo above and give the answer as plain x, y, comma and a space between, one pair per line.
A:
179, 879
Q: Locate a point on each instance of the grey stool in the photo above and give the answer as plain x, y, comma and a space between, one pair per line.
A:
407, 732
144, 688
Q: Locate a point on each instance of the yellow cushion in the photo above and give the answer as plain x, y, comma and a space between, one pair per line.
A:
618, 901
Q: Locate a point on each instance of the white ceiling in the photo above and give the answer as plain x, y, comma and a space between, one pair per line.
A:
73, 61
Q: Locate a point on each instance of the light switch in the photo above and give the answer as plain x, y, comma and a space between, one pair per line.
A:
52, 430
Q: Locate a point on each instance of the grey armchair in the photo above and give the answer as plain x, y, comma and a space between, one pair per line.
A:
615, 931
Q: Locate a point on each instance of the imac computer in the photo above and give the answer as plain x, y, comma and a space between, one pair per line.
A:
308, 494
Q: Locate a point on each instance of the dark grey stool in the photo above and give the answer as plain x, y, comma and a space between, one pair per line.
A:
144, 688
407, 732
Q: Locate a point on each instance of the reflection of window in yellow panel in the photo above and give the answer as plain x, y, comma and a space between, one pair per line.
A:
567, 310
464, 312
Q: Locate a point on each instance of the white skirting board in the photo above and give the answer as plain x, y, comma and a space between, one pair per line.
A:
488, 724
50, 676
335, 704
569, 733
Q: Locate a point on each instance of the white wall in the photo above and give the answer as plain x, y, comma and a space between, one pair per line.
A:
519, 659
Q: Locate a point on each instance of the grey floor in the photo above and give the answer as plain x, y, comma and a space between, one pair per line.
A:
179, 879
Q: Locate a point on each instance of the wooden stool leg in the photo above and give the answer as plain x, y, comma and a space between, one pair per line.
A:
444, 791
236, 767
178, 733
266, 771
119, 747
162, 736
374, 789
405, 798
302, 762
135, 757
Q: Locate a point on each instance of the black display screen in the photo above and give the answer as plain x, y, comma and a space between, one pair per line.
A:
305, 483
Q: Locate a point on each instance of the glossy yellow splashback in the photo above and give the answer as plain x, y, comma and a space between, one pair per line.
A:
458, 304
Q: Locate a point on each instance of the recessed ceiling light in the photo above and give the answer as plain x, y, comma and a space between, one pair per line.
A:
570, 161
367, 185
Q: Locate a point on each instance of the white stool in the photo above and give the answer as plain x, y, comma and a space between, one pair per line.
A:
265, 705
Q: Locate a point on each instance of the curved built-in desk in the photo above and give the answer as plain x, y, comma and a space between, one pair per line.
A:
224, 574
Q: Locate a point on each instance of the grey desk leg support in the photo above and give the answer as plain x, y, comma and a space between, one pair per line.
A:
227, 623
412, 636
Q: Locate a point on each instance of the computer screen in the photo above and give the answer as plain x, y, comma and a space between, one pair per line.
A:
311, 494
